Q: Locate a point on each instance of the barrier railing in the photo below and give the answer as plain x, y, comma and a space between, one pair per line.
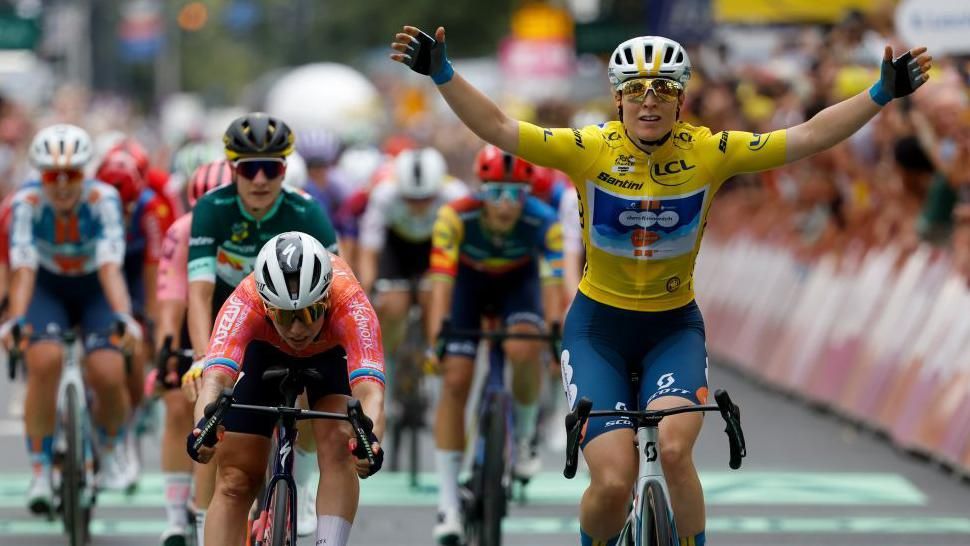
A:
877, 336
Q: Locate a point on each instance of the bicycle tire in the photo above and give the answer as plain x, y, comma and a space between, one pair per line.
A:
657, 526
75, 516
280, 532
494, 501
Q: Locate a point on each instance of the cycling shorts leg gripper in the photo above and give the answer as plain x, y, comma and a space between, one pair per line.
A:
594, 366
96, 318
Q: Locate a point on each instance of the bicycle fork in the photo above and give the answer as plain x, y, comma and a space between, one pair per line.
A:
648, 449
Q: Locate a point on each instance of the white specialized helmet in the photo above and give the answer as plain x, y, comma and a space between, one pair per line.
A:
649, 57
419, 173
293, 256
296, 172
61, 146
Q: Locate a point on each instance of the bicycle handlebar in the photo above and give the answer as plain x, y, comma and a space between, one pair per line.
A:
161, 362
361, 424
576, 421
553, 337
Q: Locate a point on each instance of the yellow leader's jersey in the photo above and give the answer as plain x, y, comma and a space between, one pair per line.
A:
643, 215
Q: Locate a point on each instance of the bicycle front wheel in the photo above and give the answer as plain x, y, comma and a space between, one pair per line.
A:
282, 532
494, 500
657, 526
75, 514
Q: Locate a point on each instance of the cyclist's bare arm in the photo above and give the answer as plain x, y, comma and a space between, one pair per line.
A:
115, 288
552, 306
150, 279
171, 314
200, 315
213, 383
367, 267
839, 121
371, 396
21, 290
475, 110
441, 291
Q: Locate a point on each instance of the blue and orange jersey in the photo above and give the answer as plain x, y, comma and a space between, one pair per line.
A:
461, 238
77, 243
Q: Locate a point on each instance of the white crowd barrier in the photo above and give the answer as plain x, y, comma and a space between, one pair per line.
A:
880, 337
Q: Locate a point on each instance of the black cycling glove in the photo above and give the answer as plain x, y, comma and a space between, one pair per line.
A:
429, 57
897, 78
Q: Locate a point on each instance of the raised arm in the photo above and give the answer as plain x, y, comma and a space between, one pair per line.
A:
427, 55
836, 123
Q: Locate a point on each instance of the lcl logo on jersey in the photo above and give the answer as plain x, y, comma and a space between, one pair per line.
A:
666, 174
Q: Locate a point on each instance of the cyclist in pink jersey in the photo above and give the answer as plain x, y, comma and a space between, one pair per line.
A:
172, 294
301, 306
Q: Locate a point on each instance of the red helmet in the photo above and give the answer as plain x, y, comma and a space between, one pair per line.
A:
495, 165
121, 171
208, 177
543, 179
396, 144
137, 152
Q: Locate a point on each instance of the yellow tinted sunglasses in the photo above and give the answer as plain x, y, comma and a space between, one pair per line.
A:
636, 90
307, 315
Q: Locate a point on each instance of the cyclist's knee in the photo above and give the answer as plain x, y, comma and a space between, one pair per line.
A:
393, 306
105, 370
457, 377
238, 484
676, 447
178, 409
43, 361
611, 485
332, 444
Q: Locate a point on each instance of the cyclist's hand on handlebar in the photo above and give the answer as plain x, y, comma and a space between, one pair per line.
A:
431, 365
205, 453
364, 469
192, 380
6, 331
133, 331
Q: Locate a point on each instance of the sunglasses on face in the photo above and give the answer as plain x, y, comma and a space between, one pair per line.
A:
272, 167
68, 175
636, 90
498, 191
285, 317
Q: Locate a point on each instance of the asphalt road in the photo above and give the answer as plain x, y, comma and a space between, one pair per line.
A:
808, 480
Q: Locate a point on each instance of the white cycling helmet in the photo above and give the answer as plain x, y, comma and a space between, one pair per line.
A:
61, 146
419, 173
292, 271
649, 57
296, 172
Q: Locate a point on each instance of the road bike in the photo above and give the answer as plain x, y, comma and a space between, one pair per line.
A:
486, 495
651, 519
276, 523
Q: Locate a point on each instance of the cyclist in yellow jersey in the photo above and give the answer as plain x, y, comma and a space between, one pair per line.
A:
633, 335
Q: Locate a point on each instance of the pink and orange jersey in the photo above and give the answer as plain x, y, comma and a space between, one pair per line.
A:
350, 323
173, 267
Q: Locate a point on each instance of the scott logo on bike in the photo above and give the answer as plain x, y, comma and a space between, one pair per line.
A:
665, 380
650, 451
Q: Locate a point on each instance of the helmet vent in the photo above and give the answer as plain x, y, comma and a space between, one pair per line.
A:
668, 55
647, 53
268, 285
680, 56
317, 271
628, 53
417, 171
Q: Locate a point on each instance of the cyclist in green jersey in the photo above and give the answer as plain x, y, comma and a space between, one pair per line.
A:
229, 226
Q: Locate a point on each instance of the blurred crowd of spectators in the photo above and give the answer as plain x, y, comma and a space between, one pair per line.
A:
904, 179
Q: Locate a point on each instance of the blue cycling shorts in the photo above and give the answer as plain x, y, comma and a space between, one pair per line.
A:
623, 359
134, 270
515, 297
62, 302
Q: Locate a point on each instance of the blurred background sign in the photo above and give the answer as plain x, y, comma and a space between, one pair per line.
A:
790, 11
538, 58
17, 32
687, 21
141, 30
941, 25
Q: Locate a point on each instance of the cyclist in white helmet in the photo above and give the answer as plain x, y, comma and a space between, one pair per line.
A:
645, 184
395, 235
302, 305
67, 246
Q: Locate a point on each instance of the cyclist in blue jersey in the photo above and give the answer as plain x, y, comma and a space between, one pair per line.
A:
498, 253
66, 251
